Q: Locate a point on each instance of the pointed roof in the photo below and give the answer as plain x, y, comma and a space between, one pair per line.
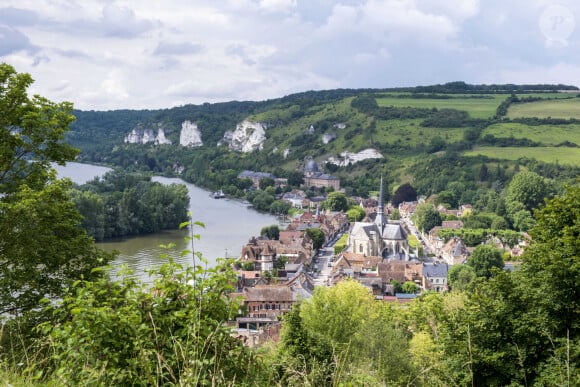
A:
380, 219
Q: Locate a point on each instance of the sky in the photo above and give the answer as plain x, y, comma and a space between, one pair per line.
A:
145, 54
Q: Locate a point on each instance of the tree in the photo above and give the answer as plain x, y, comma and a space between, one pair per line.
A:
426, 217
31, 133
172, 331
336, 201
317, 237
43, 247
484, 258
295, 178
335, 313
272, 232
280, 207
528, 188
410, 287
266, 182
460, 276
404, 193
355, 214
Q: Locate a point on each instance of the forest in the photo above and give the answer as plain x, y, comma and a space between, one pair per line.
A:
65, 321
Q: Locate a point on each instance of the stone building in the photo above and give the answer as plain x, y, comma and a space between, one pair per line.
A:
379, 238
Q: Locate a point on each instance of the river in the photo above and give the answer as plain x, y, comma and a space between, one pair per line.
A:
229, 224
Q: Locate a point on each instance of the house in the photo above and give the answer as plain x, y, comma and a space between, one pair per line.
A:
406, 209
295, 198
314, 178
267, 301
255, 176
435, 276
379, 238
433, 236
454, 252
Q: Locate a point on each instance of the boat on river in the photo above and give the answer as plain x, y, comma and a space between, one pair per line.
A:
218, 194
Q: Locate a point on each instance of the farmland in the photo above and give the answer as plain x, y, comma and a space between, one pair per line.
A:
477, 106
558, 108
562, 155
543, 134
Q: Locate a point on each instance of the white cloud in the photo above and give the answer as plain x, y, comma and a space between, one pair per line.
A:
123, 54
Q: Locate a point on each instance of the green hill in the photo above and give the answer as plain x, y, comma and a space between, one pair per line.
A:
453, 129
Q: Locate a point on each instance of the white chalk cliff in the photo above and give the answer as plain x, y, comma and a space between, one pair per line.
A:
145, 136
347, 158
248, 137
190, 135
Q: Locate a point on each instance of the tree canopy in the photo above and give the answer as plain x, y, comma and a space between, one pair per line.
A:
43, 246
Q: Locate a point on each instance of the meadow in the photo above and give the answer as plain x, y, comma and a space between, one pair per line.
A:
478, 106
561, 155
558, 108
544, 134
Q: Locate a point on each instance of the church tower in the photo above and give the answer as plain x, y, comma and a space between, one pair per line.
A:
380, 220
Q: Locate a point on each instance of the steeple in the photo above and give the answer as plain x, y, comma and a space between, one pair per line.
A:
380, 219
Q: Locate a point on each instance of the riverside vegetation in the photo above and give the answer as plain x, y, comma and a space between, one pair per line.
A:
67, 323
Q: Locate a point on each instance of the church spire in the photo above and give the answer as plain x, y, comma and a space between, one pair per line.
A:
380, 219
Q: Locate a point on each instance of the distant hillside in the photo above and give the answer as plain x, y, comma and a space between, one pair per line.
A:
430, 136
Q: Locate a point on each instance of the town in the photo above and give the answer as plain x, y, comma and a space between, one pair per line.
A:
385, 252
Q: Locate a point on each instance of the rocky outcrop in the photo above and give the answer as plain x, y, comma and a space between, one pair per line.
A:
347, 158
160, 139
328, 137
248, 137
190, 135
145, 136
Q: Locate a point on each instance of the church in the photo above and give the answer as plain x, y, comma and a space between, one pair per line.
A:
379, 238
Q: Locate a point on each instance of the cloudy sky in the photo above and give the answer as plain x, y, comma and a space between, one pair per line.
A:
113, 54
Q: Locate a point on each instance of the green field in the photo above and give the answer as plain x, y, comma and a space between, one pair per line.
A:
544, 134
560, 108
562, 155
410, 132
475, 107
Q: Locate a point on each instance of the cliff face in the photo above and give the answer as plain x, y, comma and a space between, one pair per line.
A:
190, 135
144, 136
248, 137
347, 158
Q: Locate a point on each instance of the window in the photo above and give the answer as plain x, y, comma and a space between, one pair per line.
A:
360, 248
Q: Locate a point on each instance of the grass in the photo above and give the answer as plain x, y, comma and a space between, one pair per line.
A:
562, 155
410, 132
544, 134
475, 107
560, 108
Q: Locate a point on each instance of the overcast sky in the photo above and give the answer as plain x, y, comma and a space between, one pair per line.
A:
114, 54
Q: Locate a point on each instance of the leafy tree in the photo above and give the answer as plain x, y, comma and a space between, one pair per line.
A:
460, 276
410, 287
272, 232
484, 258
280, 207
528, 188
31, 133
395, 215
426, 217
43, 247
317, 237
336, 201
295, 178
262, 201
171, 332
266, 182
355, 214
335, 313
551, 266
404, 193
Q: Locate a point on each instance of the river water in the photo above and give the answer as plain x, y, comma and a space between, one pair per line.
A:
229, 224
